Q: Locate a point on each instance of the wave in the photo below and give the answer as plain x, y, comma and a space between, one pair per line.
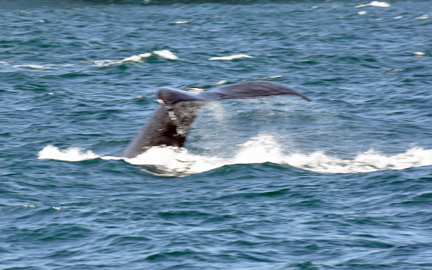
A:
171, 2
31, 66
231, 57
179, 162
375, 4
37, 66
136, 58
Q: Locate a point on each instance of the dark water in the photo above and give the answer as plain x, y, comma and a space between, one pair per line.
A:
343, 182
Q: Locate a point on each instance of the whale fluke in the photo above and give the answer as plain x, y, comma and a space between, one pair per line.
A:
170, 124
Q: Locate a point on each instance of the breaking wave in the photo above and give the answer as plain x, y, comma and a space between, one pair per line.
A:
135, 58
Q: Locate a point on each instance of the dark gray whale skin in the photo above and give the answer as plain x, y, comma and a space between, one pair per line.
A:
170, 124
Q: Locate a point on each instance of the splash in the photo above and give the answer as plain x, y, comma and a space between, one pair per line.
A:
171, 161
71, 154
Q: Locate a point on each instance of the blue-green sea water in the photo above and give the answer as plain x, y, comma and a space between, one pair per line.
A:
342, 182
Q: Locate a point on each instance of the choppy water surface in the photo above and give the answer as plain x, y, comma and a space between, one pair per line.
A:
343, 182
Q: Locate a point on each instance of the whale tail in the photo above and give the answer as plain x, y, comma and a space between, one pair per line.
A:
170, 124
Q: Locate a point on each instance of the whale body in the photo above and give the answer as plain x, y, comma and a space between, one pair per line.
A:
170, 124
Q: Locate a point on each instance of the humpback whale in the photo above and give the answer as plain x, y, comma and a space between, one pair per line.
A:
170, 124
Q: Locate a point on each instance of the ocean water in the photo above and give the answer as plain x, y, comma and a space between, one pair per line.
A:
342, 182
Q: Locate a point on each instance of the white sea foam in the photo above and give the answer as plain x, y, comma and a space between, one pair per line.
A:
419, 54
423, 17
31, 66
179, 162
135, 58
375, 4
220, 83
361, 13
166, 54
379, 4
236, 56
70, 154
369, 161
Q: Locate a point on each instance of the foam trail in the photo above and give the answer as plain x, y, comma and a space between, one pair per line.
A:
265, 149
179, 162
71, 154
369, 161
